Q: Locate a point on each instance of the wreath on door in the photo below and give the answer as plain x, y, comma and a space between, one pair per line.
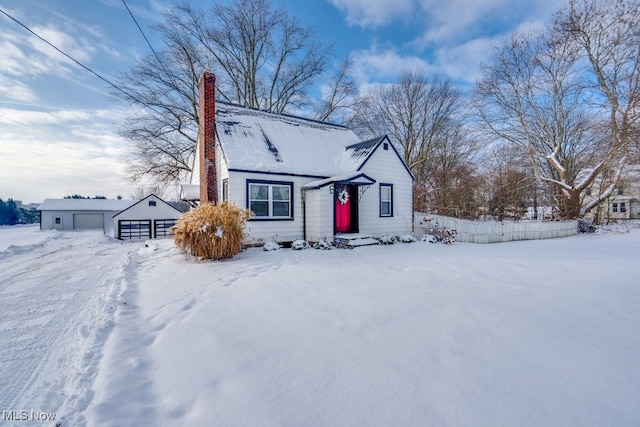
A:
343, 195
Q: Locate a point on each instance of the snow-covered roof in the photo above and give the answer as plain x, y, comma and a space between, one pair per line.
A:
150, 196
355, 178
190, 192
364, 148
85, 205
260, 141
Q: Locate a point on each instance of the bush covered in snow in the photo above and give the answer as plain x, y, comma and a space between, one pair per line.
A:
442, 234
586, 226
299, 245
271, 246
322, 245
429, 238
386, 240
211, 231
407, 238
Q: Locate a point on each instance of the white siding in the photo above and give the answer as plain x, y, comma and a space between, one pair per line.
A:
143, 211
48, 218
319, 212
386, 168
222, 169
269, 230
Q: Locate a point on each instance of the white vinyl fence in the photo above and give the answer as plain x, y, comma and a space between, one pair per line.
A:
493, 231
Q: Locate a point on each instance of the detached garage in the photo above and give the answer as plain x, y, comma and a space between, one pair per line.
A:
150, 218
80, 214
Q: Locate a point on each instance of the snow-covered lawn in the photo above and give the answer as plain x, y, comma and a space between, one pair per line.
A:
22, 237
525, 333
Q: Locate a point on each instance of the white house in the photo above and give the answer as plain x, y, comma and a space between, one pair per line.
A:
123, 219
624, 201
302, 178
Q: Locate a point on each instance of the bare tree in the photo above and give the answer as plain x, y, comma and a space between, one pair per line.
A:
262, 58
510, 187
417, 113
340, 98
161, 90
568, 97
607, 33
450, 180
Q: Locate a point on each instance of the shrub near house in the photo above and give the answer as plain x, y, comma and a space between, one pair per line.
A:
211, 231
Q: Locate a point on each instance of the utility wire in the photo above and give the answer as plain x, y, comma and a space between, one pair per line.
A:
149, 44
142, 32
129, 95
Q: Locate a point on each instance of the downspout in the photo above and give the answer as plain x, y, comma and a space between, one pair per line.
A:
303, 197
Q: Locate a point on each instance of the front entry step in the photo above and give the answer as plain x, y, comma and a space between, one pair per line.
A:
353, 240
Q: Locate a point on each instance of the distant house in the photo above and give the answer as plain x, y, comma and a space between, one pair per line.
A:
302, 178
624, 201
123, 219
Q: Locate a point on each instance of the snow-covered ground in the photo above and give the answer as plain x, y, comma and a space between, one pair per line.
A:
104, 333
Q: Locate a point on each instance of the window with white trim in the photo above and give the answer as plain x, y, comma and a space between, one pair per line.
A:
270, 199
614, 207
623, 207
386, 200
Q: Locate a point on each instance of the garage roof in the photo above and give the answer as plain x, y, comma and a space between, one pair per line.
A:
85, 205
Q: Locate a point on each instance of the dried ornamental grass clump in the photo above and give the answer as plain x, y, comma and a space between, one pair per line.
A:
211, 231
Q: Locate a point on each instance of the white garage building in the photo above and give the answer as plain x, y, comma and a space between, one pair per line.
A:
124, 219
149, 218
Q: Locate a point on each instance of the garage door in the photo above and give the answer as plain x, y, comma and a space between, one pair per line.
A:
161, 227
134, 229
88, 221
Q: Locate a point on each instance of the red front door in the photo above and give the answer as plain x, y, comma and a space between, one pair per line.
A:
343, 209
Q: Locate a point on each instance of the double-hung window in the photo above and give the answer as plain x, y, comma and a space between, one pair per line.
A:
386, 199
270, 200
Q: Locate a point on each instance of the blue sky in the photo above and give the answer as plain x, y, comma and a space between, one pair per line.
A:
58, 123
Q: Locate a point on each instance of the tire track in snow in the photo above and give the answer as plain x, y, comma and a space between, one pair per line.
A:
48, 293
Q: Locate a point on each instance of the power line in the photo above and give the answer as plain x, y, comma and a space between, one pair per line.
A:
129, 95
149, 44
141, 32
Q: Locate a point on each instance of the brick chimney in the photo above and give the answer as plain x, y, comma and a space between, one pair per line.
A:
207, 138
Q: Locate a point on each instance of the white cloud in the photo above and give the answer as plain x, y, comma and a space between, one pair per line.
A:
366, 13
454, 36
454, 21
11, 116
443, 21
16, 90
23, 57
463, 62
56, 153
75, 46
380, 66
